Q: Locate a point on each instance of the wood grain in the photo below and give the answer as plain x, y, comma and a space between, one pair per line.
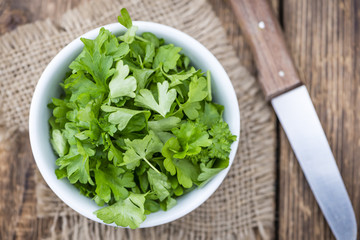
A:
17, 12
277, 73
324, 41
17, 195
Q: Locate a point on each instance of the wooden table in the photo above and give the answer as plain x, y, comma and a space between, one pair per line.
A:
324, 40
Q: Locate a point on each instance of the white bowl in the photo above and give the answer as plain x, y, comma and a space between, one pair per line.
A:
48, 87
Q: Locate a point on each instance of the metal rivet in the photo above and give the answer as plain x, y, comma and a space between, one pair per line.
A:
261, 25
281, 73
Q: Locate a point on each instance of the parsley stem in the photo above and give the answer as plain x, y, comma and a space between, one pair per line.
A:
141, 38
152, 166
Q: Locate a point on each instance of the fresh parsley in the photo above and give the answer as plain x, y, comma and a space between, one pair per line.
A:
136, 127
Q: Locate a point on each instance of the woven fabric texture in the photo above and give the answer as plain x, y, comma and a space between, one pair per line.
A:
243, 204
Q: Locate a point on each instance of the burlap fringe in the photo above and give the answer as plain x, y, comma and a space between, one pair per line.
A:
245, 201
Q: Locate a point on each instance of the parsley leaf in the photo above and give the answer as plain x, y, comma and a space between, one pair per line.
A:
113, 180
159, 183
141, 149
142, 76
197, 92
186, 171
165, 124
127, 212
92, 61
191, 138
80, 86
167, 55
222, 140
59, 143
77, 165
122, 116
178, 78
208, 171
166, 98
121, 84
124, 19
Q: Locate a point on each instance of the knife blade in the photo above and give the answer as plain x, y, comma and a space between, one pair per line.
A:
292, 104
301, 124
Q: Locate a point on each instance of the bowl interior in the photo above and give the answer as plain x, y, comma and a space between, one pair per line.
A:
48, 87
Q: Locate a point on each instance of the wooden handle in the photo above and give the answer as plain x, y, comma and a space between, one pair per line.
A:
263, 32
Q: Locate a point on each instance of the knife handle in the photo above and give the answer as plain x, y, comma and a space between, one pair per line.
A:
263, 32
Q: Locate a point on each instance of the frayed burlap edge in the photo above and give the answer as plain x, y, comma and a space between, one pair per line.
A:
243, 203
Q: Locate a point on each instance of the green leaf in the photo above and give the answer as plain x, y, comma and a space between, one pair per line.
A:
162, 127
79, 85
124, 18
151, 206
149, 53
151, 38
191, 138
165, 124
166, 98
92, 59
208, 79
198, 91
171, 147
186, 171
179, 191
77, 166
207, 172
212, 114
59, 143
114, 154
141, 149
159, 184
113, 180
129, 36
222, 140
127, 212
168, 203
136, 124
121, 84
191, 109
112, 48
178, 78
142, 76
70, 132
122, 116
60, 173
167, 55
60, 110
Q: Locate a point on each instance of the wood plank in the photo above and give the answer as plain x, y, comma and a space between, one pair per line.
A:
17, 198
323, 37
17, 12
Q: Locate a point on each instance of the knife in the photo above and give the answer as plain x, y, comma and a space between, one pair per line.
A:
292, 104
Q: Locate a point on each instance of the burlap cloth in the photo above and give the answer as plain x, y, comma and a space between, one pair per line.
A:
243, 204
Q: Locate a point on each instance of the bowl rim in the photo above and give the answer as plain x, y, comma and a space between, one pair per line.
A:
34, 117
